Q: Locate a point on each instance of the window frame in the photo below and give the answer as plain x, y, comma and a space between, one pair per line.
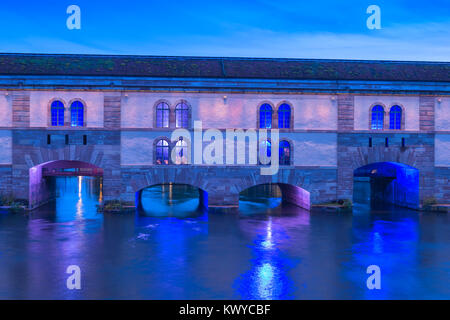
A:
83, 114
290, 152
262, 104
280, 113
58, 115
371, 117
155, 148
157, 105
185, 116
400, 121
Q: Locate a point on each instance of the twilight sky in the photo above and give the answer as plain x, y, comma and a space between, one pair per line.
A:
411, 29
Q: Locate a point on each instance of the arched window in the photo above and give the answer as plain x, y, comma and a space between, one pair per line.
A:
265, 116
162, 152
181, 152
182, 115
265, 150
284, 116
377, 117
395, 115
57, 113
162, 115
77, 114
285, 153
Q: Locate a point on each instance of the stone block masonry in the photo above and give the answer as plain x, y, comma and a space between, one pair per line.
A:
223, 184
426, 113
442, 184
30, 149
21, 109
354, 152
346, 112
112, 112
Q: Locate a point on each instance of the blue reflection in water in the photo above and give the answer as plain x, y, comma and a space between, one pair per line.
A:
171, 200
77, 198
171, 244
260, 199
267, 279
254, 207
388, 240
283, 253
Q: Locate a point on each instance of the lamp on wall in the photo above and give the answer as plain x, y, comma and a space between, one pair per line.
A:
225, 99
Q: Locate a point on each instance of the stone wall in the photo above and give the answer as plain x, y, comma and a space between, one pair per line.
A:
326, 149
30, 149
346, 112
354, 152
112, 112
5, 180
224, 184
426, 116
21, 109
442, 184
40, 103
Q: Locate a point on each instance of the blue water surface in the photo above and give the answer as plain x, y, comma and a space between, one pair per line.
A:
172, 249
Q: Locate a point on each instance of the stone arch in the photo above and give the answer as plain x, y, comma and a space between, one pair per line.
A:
390, 182
162, 175
88, 154
41, 190
49, 111
288, 177
365, 156
290, 193
386, 114
202, 194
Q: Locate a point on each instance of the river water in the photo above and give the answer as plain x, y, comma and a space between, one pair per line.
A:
172, 250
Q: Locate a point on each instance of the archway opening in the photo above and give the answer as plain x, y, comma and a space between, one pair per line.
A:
266, 197
172, 200
384, 183
75, 186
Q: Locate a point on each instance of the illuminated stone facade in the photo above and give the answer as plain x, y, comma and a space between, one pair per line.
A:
329, 133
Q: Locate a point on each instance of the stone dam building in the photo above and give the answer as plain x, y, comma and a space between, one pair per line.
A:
340, 122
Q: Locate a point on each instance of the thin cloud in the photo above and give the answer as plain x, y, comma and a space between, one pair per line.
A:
427, 42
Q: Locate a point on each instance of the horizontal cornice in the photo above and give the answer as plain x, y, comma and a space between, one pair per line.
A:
140, 84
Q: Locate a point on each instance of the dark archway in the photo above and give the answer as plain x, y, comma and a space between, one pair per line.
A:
287, 193
387, 182
171, 199
42, 178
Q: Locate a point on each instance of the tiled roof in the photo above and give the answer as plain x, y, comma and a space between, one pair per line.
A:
201, 67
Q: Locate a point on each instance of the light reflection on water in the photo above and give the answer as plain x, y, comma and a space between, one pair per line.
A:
283, 253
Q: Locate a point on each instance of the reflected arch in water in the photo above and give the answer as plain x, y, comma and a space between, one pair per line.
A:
387, 182
171, 199
271, 195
